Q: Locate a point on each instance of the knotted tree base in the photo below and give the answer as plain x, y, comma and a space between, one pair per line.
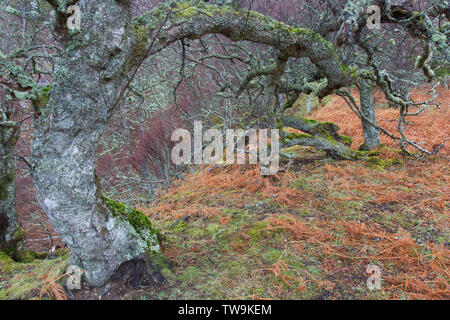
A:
321, 135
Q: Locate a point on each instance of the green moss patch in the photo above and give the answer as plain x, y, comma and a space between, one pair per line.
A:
27, 280
375, 162
137, 219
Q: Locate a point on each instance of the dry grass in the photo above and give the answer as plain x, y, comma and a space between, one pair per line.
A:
335, 218
237, 184
51, 286
430, 128
413, 271
417, 191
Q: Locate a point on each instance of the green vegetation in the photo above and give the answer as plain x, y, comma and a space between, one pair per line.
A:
377, 163
141, 223
31, 279
137, 219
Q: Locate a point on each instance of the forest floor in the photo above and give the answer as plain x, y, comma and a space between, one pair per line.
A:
307, 233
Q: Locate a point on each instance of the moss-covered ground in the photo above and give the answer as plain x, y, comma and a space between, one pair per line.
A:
35, 279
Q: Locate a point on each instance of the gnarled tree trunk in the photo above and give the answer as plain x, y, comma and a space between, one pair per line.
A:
101, 233
323, 136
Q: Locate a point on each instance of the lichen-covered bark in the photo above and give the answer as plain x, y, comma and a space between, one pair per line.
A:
351, 13
194, 19
11, 235
270, 93
85, 85
333, 149
321, 135
17, 84
371, 135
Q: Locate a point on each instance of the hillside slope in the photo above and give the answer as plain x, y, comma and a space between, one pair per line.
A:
307, 233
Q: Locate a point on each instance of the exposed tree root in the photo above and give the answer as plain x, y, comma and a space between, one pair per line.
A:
321, 135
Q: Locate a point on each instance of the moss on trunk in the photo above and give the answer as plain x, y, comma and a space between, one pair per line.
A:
154, 258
